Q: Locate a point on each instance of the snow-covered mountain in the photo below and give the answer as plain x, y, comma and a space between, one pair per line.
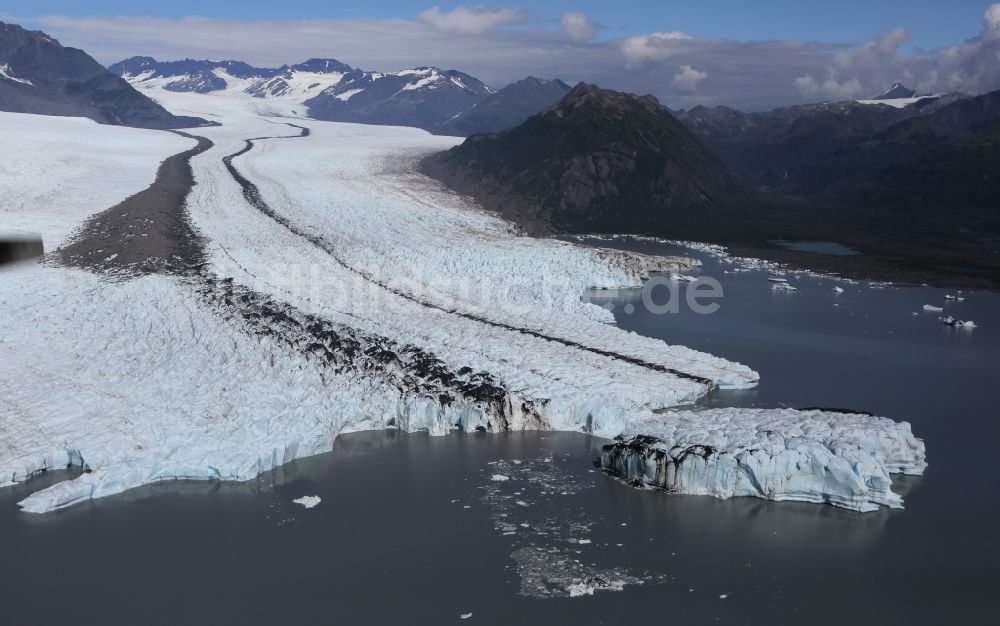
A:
900, 97
440, 101
199, 76
897, 91
300, 81
425, 97
297, 82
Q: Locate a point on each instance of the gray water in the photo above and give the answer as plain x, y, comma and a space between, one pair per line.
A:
819, 247
393, 542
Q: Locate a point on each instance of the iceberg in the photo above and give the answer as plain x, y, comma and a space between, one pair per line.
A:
821, 456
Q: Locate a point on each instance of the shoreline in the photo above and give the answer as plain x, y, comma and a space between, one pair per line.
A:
862, 267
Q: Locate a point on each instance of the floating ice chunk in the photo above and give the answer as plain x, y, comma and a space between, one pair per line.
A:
783, 287
779, 454
465, 616
499, 478
837, 289
307, 501
948, 320
930, 308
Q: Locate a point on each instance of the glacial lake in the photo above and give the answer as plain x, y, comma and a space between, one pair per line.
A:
415, 530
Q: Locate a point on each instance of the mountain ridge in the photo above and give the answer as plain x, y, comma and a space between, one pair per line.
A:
438, 100
39, 75
597, 160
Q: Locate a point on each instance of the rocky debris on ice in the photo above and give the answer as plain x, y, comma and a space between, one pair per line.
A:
844, 459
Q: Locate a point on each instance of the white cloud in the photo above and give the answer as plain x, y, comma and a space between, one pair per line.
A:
991, 21
829, 89
474, 20
660, 46
972, 66
577, 26
687, 79
879, 51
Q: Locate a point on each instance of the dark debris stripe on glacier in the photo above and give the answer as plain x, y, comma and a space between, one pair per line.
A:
151, 232
145, 233
344, 349
252, 195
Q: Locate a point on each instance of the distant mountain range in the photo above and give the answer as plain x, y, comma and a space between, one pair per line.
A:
819, 151
440, 101
915, 176
39, 75
507, 107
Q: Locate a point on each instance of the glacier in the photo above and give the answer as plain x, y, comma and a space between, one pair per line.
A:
337, 291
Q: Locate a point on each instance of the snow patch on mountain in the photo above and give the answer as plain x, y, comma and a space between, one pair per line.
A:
6, 73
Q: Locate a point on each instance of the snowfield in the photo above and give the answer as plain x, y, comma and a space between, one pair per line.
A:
56, 171
342, 292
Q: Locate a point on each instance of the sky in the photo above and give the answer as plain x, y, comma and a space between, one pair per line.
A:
751, 55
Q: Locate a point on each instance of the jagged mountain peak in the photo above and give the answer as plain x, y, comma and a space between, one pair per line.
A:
584, 97
895, 92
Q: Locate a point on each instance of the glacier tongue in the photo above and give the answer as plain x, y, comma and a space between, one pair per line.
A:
818, 456
349, 295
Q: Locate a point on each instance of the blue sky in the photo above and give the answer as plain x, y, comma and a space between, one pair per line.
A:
934, 23
750, 55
